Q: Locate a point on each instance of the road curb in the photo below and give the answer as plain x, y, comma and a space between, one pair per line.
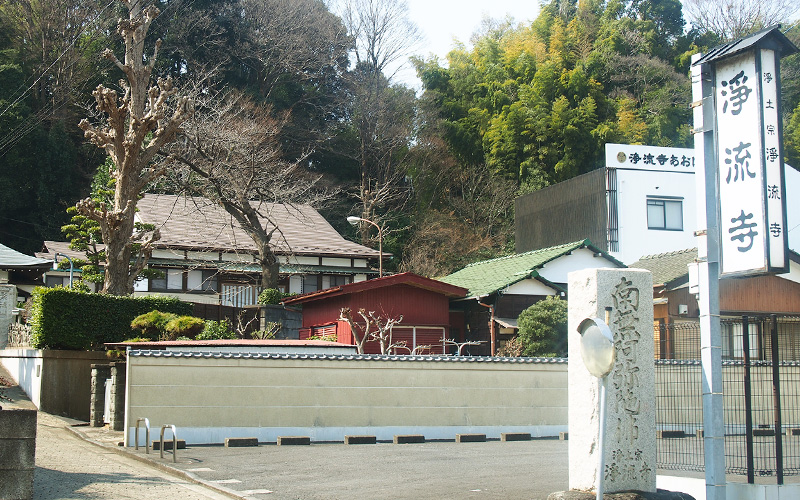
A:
157, 465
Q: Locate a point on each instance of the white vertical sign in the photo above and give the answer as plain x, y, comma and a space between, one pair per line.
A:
740, 158
773, 172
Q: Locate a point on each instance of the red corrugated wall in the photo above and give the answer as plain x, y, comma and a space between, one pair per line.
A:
418, 307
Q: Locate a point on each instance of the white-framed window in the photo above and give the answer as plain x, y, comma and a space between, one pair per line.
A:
665, 213
172, 280
202, 280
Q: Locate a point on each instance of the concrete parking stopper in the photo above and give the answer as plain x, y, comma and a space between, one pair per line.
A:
630, 436
409, 438
293, 440
241, 442
360, 439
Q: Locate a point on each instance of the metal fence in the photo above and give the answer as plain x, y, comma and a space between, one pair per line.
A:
761, 384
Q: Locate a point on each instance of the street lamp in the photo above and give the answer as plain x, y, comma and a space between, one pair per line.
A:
71, 266
354, 221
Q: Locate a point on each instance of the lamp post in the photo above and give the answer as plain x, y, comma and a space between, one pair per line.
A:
354, 221
71, 266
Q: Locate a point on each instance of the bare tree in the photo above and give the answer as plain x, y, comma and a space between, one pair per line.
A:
374, 327
382, 31
230, 152
731, 19
133, 129
383, 115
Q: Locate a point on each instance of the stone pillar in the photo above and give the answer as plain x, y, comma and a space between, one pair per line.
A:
17, 453
117, 411
630, 434
8, 301
100, 373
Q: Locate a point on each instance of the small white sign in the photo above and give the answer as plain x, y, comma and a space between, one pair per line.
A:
637, 157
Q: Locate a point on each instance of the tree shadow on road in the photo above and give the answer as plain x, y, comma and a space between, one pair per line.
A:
49, 484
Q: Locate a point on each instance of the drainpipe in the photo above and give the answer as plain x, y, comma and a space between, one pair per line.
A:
492, 334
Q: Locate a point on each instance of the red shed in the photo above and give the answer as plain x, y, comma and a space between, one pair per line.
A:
423, 303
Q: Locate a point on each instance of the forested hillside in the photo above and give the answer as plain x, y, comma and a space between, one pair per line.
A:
521, 107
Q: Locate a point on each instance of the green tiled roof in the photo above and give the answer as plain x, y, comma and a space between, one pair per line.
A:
490, 276
667, 267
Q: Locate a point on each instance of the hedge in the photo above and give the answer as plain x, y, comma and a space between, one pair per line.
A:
66, 319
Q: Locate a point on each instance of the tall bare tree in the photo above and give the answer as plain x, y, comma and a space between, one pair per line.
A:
383, 114
730, 19
230, 151
131, 130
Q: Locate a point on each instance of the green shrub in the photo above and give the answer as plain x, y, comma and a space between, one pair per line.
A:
271, 296
215, 330
543, 328
66, 319
184, 326
152, 324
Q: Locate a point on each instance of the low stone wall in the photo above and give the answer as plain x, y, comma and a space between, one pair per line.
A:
210, 397
17, 453
57, 382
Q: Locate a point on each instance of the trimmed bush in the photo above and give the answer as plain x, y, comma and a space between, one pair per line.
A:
271, 296
184, 326
215, 330
152, 324
65, 319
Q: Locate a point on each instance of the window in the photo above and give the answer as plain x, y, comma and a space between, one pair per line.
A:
53, 281
665, 214
202, 280
310, 283
172, 280
339, 280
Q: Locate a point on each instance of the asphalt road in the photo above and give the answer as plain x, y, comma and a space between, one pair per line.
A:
433, 470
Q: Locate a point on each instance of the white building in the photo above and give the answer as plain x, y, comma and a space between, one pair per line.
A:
641, 203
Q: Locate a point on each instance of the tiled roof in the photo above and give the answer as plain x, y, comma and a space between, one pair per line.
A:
490, 276
11, 259
53, 247
410, 279
346, 357
196, 223
668, 267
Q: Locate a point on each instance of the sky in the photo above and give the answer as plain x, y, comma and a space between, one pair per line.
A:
443, 20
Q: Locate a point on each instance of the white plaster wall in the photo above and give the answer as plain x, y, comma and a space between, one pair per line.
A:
199, 298
210, 398
308, 261
359, 263
633, 188
335, 261
583, 258
25, 366
529, 287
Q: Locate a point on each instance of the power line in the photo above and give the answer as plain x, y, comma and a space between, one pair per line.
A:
69, 46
